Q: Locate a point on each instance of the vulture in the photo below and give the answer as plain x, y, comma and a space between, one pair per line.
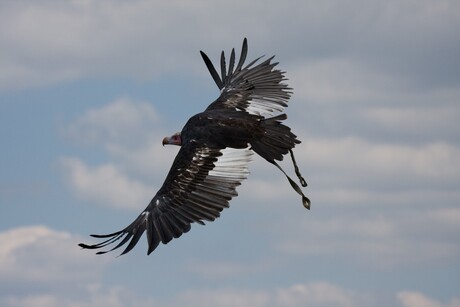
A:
216, 146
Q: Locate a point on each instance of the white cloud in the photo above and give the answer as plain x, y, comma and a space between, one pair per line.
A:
39, 254
447, 216
106, 185
337, 197
303, 294
420, 119
391, 192
77, 39
122, 120
311, 294
129, 133
352, 159
46, 268
355, 171
416, 181
91, 295
223, 298
377, 240
416, 299
342, 81
148, 159
330, 81
316, 294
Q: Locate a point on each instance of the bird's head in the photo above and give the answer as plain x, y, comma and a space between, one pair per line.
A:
175, 139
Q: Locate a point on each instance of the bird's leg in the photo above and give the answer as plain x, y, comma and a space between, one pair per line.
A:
306, 202
296, 169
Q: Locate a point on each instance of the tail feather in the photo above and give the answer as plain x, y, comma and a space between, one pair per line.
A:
276, 142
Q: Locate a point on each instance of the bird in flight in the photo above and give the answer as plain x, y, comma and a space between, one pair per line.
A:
216, 146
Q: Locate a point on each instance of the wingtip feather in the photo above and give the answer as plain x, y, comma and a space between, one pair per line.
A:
212, 70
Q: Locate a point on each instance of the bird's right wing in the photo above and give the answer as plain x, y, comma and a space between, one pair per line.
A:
255, 88
199, 186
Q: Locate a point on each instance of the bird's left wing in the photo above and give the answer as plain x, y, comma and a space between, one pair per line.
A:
199, 186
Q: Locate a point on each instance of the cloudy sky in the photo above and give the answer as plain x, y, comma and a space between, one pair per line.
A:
88, 89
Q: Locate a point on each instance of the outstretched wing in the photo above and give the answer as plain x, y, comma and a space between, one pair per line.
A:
255, 88
199, 186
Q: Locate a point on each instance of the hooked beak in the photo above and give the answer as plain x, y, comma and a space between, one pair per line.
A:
175, 139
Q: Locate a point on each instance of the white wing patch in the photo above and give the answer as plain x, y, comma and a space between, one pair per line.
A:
232, 164
211, 195
263, 107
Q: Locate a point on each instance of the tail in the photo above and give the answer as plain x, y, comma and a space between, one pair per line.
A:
277, 141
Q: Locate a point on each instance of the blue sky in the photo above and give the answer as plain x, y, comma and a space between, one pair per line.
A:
88, 89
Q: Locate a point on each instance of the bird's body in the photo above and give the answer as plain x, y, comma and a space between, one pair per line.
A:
216, 148
222, 128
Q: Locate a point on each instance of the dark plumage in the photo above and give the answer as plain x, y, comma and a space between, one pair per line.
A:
216, 147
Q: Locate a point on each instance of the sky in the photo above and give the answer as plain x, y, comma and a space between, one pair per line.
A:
88, 89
